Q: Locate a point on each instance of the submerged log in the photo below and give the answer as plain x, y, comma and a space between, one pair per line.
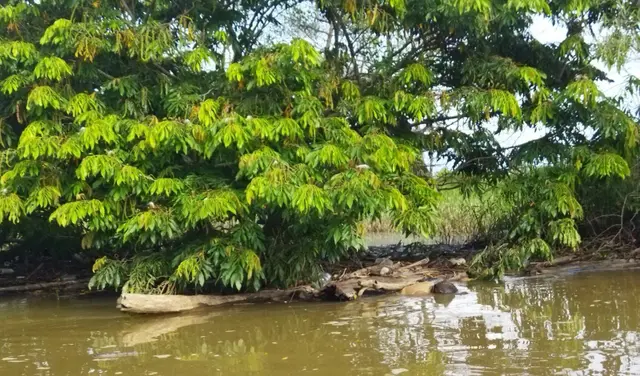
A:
143, 303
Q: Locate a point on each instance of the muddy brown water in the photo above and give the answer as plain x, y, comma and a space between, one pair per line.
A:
581, 324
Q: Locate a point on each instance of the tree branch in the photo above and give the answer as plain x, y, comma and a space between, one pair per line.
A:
127, 9
335, 19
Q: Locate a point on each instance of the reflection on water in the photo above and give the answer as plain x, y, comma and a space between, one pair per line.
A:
583, 324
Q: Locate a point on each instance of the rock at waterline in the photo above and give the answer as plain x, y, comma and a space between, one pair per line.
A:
429, 287
457, 261
444, 287
418, 289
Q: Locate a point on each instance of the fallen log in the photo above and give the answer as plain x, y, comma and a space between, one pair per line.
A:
375, 270
388, 285
144, 303
349, 286
352, 289
44, 286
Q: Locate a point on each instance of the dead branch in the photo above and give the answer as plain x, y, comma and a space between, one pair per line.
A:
415, 264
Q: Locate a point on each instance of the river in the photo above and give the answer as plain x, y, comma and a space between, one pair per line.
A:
586, 323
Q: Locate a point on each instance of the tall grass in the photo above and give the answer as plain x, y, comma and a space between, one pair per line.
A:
465, 218
461, 218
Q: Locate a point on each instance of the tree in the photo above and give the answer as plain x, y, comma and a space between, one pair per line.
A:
187, 142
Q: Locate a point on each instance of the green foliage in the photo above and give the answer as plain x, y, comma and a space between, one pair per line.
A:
607, 164
189, 153
11, 207
44, 97
52, 68
74, 212
13, 83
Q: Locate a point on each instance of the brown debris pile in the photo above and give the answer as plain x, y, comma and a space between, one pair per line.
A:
387, 276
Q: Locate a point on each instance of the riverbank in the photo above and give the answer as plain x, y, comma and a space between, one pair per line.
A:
381, 276
414, 269
386, 269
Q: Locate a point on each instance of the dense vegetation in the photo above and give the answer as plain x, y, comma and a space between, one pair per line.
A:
244, 141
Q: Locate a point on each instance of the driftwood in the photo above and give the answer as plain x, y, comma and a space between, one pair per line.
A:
349, 286
143, 303
44, 286
365, 272
422, 262
351, 289
383, 285
393, 269
364, 280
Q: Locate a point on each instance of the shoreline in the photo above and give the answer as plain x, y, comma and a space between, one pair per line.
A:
363, 275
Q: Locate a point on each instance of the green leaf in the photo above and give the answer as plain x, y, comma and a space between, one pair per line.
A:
607, 164
564, 232
52, 68
74, 212
11, 207
44, 97
308, 197
13, 83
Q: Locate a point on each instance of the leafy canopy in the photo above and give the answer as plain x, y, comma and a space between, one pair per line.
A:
190, 141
